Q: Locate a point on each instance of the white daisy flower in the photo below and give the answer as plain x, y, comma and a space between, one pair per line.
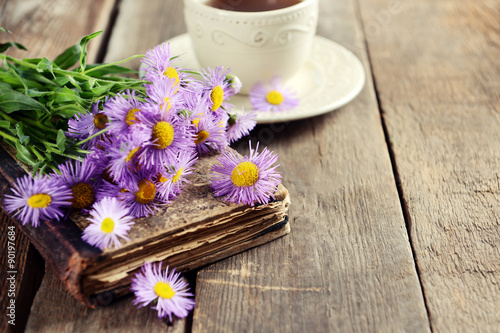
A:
109, 221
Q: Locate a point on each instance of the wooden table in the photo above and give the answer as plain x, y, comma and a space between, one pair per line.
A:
395, 197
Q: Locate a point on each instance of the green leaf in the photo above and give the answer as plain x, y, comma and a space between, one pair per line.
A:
36, 93
100, 70
5, 46
61, 140
69, 57
46, 65
75, 83
69, 110
34, 79
83, 47
101, 90
11, 101
37, 166
33, 61
2, 29
5, 85
16, 81
61, 80
65, 94
24, 139
24, 155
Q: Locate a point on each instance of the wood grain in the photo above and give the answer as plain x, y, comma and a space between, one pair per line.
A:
47, 27
347, 265
141, 25
438, 79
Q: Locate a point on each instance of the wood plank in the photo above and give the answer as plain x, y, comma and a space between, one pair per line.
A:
58, 311
437, 75
347, 264
46, 29
142, 25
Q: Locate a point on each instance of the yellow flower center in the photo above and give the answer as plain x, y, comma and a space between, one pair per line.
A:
163, 133
245, 174
274, 97
171, 73
178, 175
100, 120
131, 154
146, 193
130, 118
163, 290
107, 225
201, 136
40, 200
217, 96
83, 195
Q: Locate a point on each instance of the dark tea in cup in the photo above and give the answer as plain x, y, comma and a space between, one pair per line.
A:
251, 5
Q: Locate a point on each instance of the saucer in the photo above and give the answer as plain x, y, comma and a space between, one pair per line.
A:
330, 78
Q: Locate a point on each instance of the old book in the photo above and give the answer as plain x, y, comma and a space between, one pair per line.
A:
195, 230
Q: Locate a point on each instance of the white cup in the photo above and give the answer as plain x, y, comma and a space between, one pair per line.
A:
256, 45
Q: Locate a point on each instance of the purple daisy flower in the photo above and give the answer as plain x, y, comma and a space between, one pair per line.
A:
83, 126
122, 111
159, 66
163, 94
168, 133
124, 156
141, 196
37, 198
273, 97
210, 135
216, 88
248, 179
109, 221
99, 156
173, 178
240, 125
80, 177
194, 107
167, 288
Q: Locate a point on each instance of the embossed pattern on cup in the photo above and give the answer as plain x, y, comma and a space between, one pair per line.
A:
255, 45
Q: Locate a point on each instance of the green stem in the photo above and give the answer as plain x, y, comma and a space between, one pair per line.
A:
79, 143
70, 73
8, 118
81, 151
58, 152
37, 154
191, 72
40, 125
114, 63
8, 137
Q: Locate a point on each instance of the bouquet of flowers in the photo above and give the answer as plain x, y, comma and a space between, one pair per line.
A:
134, 149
